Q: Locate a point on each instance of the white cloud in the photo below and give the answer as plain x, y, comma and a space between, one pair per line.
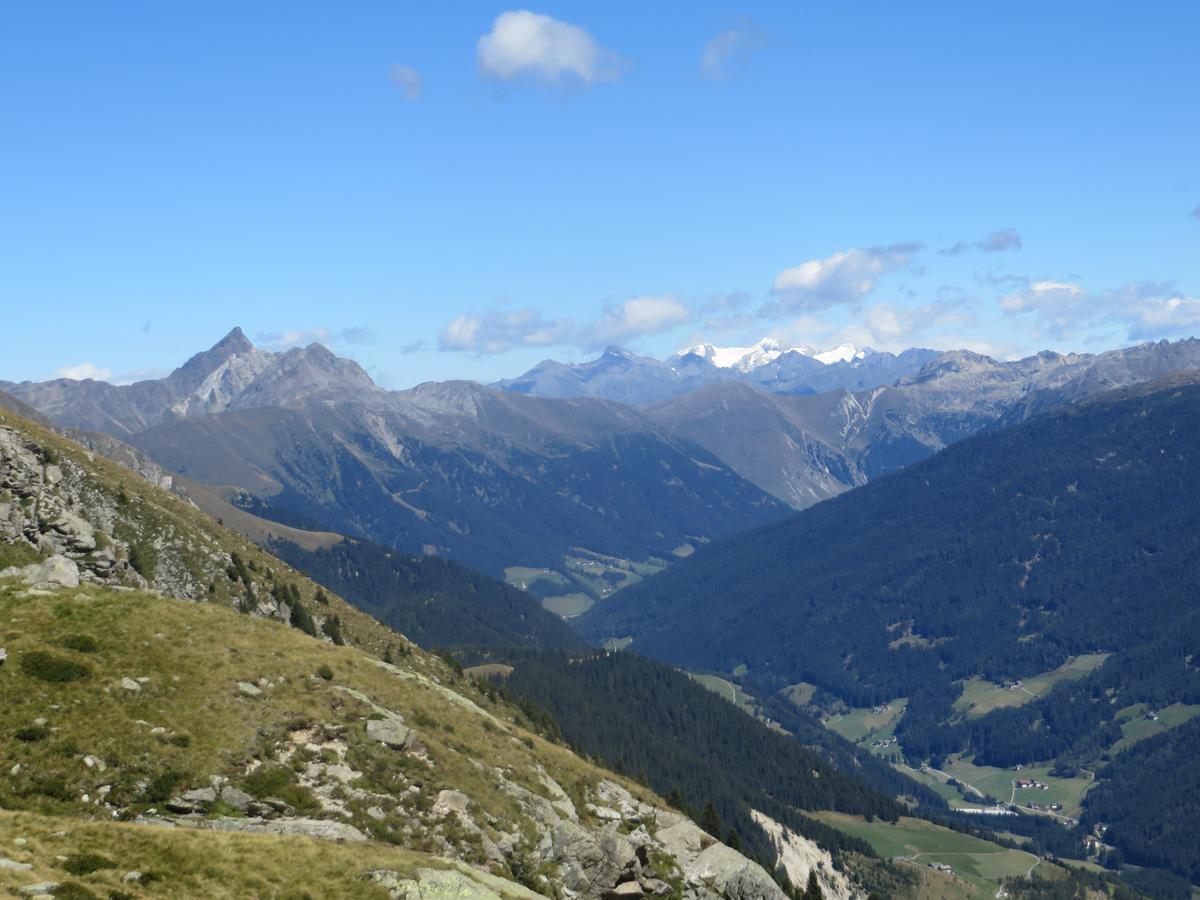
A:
1060, 308
1141, 310
844, 277
300, 337
526, 44
84, 370
727, 53
408, 80
635, 318
499, 330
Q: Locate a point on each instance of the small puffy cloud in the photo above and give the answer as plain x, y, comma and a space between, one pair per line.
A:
996, 242
524, 44
407, 80
1059, 307
845, 277
725, 55
416, 346
299, 337
133, 376
1044, 296
621, 322
499, 330
83, 371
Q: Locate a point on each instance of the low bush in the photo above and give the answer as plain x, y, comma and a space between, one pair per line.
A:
323, 671
55, 669
162, 786
81, 643
32, 734
86, 863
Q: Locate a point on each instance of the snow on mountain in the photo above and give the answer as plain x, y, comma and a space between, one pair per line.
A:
842, 353
747, 359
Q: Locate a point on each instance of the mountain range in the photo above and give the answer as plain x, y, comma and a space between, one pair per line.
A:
593, 492
622, 376
493, 479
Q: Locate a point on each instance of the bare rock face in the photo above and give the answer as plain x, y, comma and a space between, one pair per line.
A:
57, 571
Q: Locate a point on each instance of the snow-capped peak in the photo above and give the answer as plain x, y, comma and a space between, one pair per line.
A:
747, 359
842, 353
743, 359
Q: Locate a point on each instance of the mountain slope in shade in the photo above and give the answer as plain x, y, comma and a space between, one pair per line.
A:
1015, 521
491, 479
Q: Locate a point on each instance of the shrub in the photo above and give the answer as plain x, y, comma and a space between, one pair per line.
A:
162, 786
33, 734
72, 890
52, 786
333, 629
82, 643
144, 559
323, 671
277, 781
86, 863
302, 618
48, 667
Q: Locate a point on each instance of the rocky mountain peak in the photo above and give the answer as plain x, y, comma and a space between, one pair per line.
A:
192, 373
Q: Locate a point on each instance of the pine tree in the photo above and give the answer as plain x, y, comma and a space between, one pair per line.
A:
813, 890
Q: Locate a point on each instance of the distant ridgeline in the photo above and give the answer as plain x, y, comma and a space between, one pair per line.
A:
1001, 557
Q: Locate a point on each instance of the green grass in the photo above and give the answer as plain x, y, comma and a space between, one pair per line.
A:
800, 694
186, 862
980, 697
1137, 727
568, 605
524, 577
188, 721
863, 726
979, 863
489, 670
999, 783
952, 795
728, 691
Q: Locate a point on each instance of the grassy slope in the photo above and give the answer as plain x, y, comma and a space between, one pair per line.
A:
980, 696
978, 863
193, 656
199, 864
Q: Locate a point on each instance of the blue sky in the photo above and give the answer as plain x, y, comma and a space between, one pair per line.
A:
462, 189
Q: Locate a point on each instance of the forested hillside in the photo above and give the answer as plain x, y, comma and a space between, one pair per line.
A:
433, 601
1002, 558
656, 724
1150, 799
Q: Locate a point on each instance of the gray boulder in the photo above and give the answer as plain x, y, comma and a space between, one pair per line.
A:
239, 800
392, 732
55, 570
